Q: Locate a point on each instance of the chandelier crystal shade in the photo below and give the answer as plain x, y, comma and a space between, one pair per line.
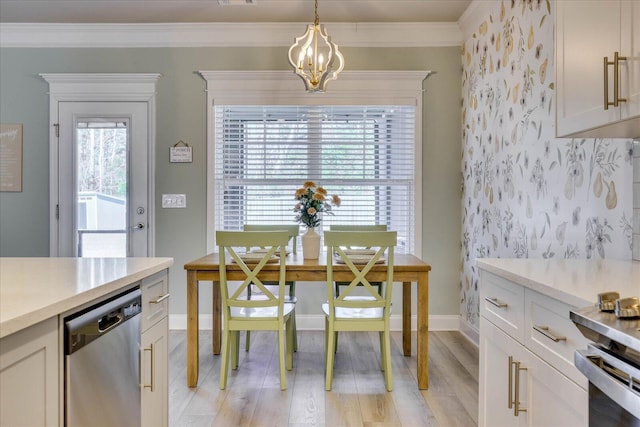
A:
315, 58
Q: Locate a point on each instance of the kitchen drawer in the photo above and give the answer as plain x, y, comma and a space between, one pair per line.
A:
155, 299
502, 303
551, 334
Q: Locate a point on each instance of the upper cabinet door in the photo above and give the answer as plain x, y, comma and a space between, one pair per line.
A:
631, 20
587, 32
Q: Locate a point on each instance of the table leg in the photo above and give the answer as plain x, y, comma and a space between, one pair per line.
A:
216, 335
406, 318
423, 331
193, 329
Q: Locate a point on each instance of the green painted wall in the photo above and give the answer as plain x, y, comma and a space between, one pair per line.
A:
181, 111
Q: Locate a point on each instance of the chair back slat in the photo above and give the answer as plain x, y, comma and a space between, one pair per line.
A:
358, 227
292, 229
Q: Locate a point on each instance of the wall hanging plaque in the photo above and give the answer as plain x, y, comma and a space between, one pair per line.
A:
181, 152
11, 157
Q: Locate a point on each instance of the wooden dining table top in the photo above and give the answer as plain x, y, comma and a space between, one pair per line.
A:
401, 262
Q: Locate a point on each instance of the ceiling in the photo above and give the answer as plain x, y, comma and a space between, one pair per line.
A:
184, 11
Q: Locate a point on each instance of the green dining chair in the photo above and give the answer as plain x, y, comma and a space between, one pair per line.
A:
363, 228
357, 227
290, 286
350, 312
270, 313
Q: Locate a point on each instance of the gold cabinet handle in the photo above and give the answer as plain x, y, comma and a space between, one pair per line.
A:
510, 405
150, 386
494, 301
606, 83
616, 79
159, 299
516, 393
544, 330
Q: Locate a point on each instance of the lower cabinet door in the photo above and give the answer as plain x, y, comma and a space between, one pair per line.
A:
555, 400
29, 392
496, 399
517, 388
154, 375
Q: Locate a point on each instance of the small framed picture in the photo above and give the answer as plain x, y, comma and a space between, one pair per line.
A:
181, 152
11, 157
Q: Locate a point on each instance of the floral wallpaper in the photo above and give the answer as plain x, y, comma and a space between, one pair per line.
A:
527, 194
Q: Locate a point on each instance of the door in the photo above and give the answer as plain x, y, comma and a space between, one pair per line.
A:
103, 198
154, 372
497, 394
587, 31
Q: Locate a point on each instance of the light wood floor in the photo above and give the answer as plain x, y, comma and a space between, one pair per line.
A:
253, 396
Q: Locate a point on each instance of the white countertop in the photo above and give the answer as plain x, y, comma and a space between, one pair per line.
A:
35, 289
576, 282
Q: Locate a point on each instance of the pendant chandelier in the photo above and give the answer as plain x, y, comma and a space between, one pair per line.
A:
314, 57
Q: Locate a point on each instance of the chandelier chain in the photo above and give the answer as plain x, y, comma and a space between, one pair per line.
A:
317, 20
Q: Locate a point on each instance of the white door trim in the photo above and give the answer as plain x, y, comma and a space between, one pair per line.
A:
100, 87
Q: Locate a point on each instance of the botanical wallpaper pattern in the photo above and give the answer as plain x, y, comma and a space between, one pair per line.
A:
527, 194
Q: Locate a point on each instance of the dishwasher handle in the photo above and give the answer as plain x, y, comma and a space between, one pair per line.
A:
110, 321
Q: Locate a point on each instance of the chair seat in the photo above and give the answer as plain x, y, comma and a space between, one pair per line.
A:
260, 312
355, 313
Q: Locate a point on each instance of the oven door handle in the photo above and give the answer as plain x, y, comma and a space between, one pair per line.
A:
609, 385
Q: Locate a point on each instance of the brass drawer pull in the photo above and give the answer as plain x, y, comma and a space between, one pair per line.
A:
510, 388
544, 330
159, 299
150, 386
494, 301
516, 401
514, 385
616, 80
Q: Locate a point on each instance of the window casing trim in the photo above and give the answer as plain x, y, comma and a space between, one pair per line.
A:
283, 88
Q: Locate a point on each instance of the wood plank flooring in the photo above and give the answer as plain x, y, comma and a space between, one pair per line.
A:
253, 396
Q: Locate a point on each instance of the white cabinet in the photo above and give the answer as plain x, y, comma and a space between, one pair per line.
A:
154, 369
29, 376
587, 32
154, 373
527, 341
496, 394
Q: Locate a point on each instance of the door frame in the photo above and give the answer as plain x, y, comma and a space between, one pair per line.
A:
100, 87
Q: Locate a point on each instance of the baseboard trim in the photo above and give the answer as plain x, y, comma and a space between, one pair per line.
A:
316, 322
469, 331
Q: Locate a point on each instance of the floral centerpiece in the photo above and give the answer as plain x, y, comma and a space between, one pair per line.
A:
312, 200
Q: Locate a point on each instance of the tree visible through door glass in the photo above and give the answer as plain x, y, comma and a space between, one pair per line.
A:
101, 179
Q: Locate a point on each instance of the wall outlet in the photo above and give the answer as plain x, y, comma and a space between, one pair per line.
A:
174, 200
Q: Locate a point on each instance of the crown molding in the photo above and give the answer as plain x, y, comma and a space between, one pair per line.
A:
35, 35
474, 14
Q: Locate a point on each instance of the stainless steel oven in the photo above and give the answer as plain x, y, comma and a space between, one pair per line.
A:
611, 362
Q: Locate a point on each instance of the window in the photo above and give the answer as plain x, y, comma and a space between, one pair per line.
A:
361, 140
365, 154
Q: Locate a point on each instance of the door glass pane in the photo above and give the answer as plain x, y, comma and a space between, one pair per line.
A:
101, 178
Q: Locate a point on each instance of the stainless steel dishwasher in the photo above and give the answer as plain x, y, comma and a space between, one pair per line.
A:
102, 363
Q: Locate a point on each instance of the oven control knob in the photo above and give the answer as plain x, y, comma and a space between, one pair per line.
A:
607, 301
628, 307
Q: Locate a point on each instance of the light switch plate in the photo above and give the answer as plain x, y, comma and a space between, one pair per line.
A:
174, 200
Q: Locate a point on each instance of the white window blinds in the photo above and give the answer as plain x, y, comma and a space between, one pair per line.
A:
364, 154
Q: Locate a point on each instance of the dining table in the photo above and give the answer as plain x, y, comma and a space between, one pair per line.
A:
407, 269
